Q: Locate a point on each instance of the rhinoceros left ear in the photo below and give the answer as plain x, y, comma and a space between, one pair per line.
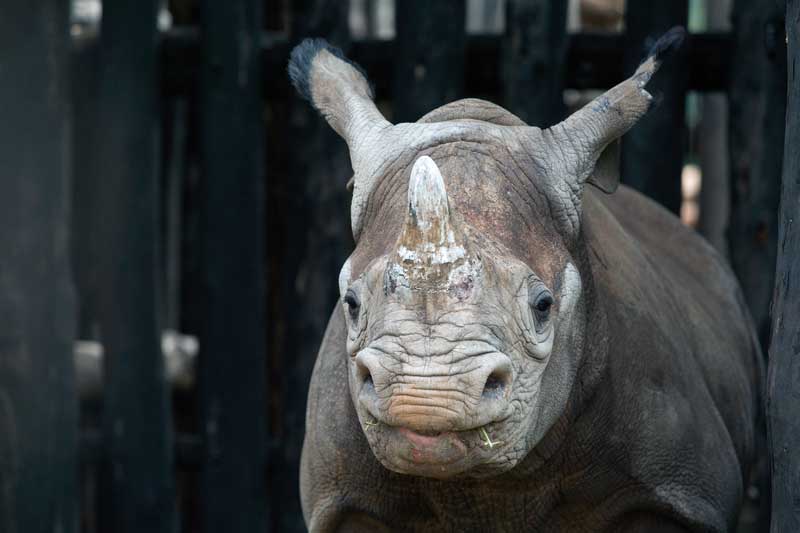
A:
591, 135
339, 90
335, 86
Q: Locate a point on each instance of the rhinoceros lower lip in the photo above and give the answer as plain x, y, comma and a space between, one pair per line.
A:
438, 449
423, 438
444, 455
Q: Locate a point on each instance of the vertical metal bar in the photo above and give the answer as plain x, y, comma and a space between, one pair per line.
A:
175, 172
38, 401
139, 488
757, 118
232, 379
84, 249
652, 152
757, 100
534, 53
783, 390
712, 136
310, 219
429, 56
370, 17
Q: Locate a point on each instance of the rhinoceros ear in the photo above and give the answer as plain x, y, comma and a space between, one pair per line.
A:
339, 90
590, 134
335, 86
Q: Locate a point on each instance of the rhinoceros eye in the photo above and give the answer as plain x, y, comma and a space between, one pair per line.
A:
541, 303
353, 303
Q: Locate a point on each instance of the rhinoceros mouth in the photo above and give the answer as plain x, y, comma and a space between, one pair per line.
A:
437, 449
441, 455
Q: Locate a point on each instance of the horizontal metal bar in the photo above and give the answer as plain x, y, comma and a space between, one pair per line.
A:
594, 61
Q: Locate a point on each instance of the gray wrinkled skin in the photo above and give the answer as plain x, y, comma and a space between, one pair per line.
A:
442, 400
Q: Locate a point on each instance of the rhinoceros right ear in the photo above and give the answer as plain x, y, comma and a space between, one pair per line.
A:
336, 87
590, 136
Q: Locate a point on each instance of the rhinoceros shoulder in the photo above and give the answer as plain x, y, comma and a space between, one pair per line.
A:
684, 366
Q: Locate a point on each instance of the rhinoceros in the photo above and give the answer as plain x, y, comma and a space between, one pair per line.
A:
516, 350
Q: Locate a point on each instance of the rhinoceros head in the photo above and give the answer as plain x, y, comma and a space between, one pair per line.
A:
464, 300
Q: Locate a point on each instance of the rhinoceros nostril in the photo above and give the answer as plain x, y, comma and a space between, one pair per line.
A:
495, 385
366, 379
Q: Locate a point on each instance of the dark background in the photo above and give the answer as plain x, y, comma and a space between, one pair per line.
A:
173, 217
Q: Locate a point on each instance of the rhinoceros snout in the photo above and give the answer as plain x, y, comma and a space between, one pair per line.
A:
431, 397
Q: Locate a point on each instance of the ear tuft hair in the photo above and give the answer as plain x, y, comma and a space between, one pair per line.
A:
301, 59
667, 43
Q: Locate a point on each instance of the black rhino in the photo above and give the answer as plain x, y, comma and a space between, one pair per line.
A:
516, 351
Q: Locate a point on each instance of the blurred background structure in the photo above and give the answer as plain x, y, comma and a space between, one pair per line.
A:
173, 217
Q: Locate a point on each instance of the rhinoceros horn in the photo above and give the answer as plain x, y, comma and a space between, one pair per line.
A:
430, 248
428, 233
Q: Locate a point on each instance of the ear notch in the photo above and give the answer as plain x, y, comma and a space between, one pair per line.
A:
605, 175
334, 85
